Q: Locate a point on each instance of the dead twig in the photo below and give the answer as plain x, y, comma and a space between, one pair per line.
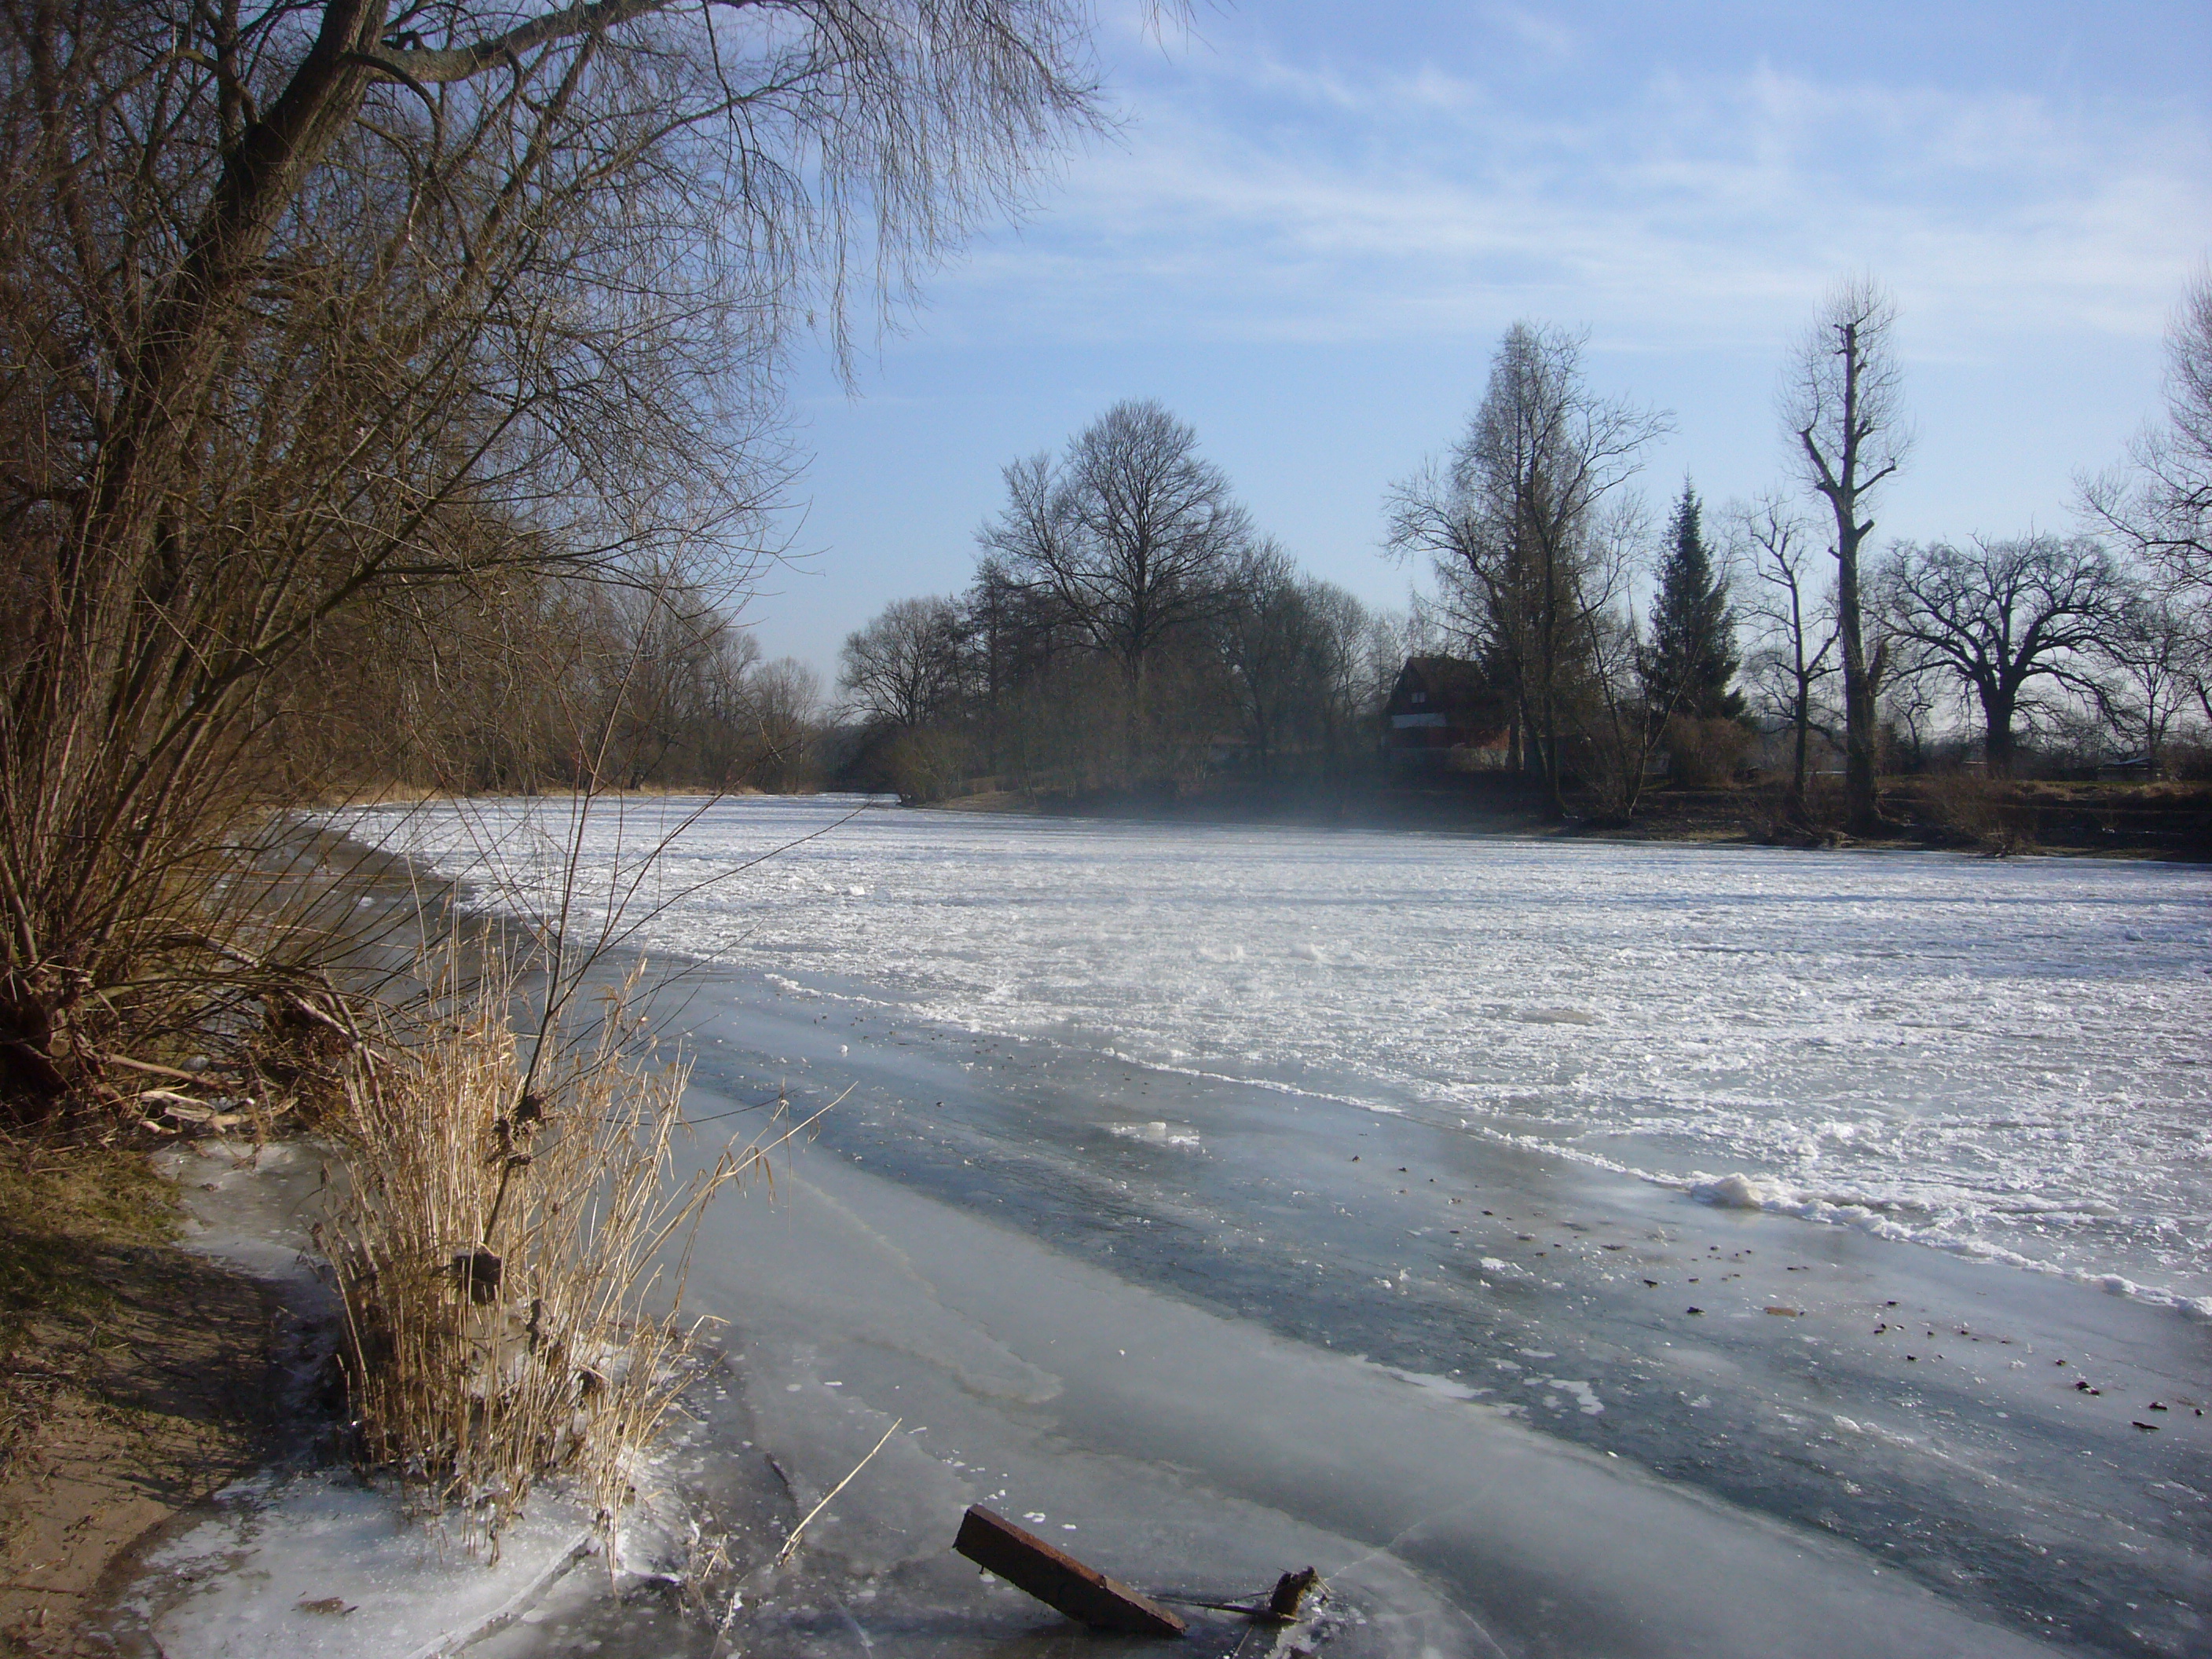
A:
791, 1544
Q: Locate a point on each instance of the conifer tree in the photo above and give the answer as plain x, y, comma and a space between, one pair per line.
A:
1693, 658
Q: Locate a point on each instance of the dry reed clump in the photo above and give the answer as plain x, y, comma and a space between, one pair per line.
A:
1987, 811
510, 1247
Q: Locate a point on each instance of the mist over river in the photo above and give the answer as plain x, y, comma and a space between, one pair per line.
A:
1571, 1247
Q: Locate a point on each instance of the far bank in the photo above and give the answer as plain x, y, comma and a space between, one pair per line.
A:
1958, 811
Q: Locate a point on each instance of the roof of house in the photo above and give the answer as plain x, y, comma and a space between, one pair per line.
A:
1449, 679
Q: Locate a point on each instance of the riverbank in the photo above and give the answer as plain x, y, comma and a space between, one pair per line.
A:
169, 1410
136, 1382
1945, 813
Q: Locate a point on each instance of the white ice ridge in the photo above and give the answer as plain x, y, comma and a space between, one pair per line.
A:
2000, 1057
1743, 1191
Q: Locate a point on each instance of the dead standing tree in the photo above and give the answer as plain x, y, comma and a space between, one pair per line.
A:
1840, 404
308, 300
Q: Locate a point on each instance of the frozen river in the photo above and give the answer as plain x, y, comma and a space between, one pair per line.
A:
1568, 1248
2004, 1059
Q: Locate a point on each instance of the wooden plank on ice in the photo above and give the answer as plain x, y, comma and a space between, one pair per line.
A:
1058, 1579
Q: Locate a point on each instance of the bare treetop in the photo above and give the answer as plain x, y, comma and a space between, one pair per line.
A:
1843, 397
2162, 505
1542, 429
1134, 532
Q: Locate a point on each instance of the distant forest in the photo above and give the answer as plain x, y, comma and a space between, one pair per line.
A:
1130, 627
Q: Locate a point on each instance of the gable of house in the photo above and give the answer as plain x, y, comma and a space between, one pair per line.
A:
1442, 702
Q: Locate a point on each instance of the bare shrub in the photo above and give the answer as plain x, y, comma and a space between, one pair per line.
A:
1706, 754
927, 764
509, 1247
2188, 760
1982, 811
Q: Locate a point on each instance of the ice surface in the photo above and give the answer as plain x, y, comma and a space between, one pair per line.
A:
1434, 1212
1194, 1452
317, 1564
2004, 1058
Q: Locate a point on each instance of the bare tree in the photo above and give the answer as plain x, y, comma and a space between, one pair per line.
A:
904, 668
1513, 526
1270, 644
311, 302
1768, 539
1359, 653
1622, 726
1133, 534
1994, 617
784, 704
2161, 506
1840, 401
660, 639
2158, 658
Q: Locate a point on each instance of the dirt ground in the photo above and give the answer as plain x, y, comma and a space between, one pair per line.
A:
135, 1381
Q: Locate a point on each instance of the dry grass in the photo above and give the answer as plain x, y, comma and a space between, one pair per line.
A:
1988, 812
60, 1208
510, 1247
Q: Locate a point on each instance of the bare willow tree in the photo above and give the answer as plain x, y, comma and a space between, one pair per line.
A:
1513, 522
1841, 402
306, 302
1134, 535
1997, 617
1796, 654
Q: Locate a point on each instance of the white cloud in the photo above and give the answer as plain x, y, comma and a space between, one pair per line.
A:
1278, 201
1542, 35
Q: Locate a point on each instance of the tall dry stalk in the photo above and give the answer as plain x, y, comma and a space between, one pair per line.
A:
511, 1259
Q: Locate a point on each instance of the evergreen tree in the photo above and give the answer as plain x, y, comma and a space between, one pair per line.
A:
1692, 656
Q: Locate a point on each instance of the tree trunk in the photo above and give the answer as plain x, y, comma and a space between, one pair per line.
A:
1862, 813
1804, 721
1996, 744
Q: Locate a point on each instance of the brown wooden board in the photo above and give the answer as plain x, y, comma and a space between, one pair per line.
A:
1058, 1579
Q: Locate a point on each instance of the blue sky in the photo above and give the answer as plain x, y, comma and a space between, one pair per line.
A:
1317, 218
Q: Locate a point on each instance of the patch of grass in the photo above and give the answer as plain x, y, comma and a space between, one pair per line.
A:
60, 1208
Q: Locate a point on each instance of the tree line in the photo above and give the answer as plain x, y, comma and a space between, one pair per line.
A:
1128, 624
543, 682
